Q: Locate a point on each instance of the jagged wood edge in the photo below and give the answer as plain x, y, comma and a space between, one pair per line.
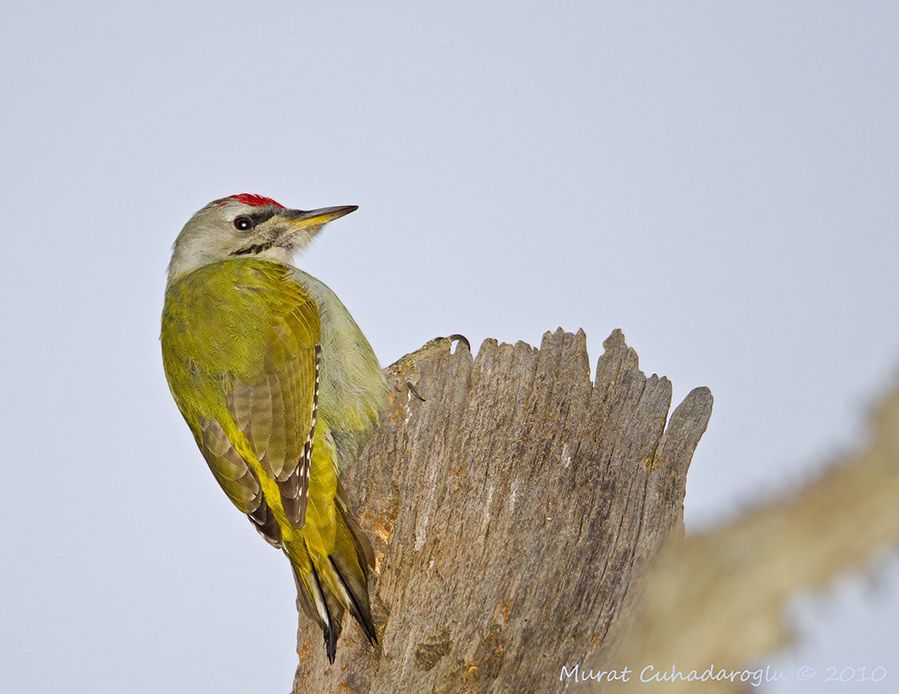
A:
513, 513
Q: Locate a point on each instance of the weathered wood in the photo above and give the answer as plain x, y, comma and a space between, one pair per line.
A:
512, 513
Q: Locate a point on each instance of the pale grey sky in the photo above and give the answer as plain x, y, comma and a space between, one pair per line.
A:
718, 179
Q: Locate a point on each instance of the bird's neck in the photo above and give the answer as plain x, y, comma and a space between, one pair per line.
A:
183, 264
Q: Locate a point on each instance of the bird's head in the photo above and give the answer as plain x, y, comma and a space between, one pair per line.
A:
247, 226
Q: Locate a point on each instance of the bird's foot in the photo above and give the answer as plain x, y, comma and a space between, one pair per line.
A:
405, 372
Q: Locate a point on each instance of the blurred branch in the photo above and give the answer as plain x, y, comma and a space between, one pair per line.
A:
719, 598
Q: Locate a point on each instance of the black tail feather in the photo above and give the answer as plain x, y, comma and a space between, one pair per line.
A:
359, 606
330, 629
329, 585
318, 604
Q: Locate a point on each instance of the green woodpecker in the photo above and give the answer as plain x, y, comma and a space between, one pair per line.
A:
279, 387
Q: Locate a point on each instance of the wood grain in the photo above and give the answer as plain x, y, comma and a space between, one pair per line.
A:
513, 513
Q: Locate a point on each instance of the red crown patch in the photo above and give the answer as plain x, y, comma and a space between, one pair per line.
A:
254, 200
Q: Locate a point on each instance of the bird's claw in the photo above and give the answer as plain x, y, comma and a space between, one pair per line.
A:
411, 386
461, 339
405, 370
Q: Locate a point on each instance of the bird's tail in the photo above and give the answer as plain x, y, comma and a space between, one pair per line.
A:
330, 584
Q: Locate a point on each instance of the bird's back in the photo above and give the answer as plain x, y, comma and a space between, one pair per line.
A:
353, 388
280, 386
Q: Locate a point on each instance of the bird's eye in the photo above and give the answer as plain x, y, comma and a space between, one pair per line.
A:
243, 223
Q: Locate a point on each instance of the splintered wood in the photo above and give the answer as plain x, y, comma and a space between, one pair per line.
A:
513, 512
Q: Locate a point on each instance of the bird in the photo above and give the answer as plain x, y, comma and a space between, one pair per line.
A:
280, 389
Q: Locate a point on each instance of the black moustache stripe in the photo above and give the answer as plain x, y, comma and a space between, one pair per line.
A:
254, 249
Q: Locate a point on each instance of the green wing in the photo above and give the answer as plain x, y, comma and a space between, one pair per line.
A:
242, 354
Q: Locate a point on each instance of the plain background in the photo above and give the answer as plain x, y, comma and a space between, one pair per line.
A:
718, 179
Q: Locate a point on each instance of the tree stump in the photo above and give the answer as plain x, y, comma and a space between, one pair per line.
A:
513, 513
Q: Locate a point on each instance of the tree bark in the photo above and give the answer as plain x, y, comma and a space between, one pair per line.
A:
513, 514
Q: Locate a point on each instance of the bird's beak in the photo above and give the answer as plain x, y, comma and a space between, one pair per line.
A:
304, 219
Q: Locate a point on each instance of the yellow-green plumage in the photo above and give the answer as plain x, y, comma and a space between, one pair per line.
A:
279, 386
